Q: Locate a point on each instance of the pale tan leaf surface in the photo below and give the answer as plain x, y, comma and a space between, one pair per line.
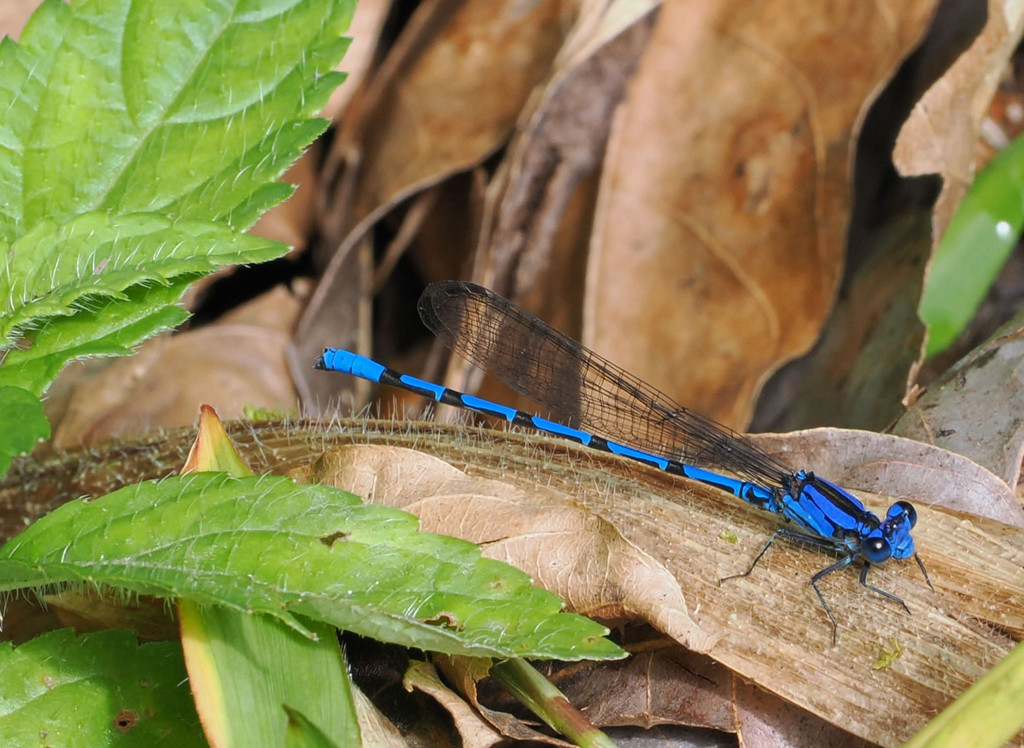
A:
899, 467
725, 192
974, 410
948, 641
941, 134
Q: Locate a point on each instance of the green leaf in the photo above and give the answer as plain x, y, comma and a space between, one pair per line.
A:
303, 733
149, 103
58, 270
25, 424
99, 286
266, 545
138, 138
246, 669
97, 689
24, 69
110, 330
972, 252
248, 672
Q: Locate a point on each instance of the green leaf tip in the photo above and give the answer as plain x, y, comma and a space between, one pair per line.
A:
975, 246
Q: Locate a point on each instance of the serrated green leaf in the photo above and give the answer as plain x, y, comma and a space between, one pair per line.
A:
55, 270
247, 671
149, 102
266, 545
250, 194
112, 330
97, 689
117, 110
24, 424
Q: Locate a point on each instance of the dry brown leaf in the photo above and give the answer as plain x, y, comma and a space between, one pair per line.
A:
974, 410
542, 196
940, 135
473, 730
725, 192
765, 721
236, 362
562, 141
663, 685
904, 468
434, 107
857, 373
696, 536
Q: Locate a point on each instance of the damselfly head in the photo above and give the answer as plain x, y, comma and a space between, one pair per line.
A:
899, 521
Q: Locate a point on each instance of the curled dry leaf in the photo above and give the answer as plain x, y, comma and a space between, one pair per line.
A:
473, 730
447, 95
725, 192
423, 117
663, 685
465, 673
562, 141
940, 135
